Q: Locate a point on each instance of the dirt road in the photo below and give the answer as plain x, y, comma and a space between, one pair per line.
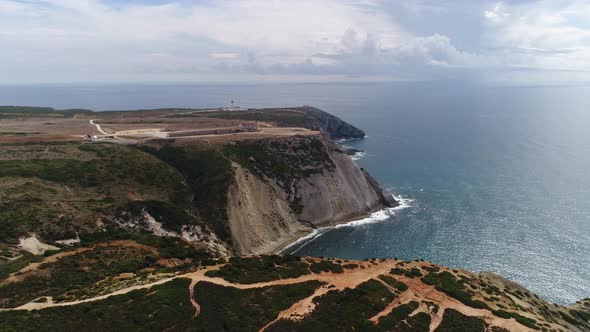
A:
98, 127
417, 291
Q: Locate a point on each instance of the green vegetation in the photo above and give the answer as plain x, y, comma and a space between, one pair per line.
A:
75, 277
581, 315
448, 284
32, 110
454, 321
410, 273
66, 192
167, 247
155, 309
432, 268
326, 266
347, 310
248, 270
172, 217
284, 161
231, 309
281, 118
420, 322
394, 319
208, 175
17, 264
400, 286
528, 322
18, 133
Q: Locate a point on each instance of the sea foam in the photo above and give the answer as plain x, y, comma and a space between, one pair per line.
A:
375, 217
358, 156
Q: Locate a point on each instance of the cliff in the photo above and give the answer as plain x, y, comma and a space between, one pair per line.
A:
251, 194
335, 127
150, 236
286, 187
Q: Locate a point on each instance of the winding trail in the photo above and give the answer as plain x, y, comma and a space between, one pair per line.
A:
417, 291
21, 274
98, 127
193, 298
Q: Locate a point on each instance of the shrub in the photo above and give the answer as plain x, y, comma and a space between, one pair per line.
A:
326, 266
397, 315
249, 270
410, 273
454, 321
448, 284
400, 286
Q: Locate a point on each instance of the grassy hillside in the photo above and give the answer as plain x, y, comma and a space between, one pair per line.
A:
10, 111
63, 189
85, 272
277, 293
132, 271
154, 309
58, 190
208, 175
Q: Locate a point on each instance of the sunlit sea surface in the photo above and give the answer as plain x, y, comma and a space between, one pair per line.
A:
495, 178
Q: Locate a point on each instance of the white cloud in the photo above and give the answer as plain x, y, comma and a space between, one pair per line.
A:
542, 25
224, 56
437, 50
57, 40
497, 14
68, 34
542, 35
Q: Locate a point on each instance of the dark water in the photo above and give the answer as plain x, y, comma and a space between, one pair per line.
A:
499, 177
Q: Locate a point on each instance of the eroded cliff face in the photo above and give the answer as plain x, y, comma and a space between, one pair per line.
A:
260, 218
306, 182
256, 196
337, 195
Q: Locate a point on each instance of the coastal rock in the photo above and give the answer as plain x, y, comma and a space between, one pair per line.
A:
260, 218
340, 195
267, 211
331, 125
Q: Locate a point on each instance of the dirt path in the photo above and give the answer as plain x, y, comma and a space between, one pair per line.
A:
36, 306
194, 298
340, 281
21, 274
98, 127
299, 309
417, 291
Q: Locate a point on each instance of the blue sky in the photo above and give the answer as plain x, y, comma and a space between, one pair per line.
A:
506, 42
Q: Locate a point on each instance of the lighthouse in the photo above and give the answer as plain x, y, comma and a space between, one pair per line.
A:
232, 107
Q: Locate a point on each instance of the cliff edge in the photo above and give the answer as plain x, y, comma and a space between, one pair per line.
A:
335, 127
285, 187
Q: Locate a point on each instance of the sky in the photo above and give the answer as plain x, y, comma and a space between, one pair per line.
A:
505, 42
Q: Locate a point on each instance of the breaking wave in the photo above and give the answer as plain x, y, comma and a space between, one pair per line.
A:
375, 217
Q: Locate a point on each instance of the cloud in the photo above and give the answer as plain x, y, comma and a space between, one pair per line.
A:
437, 50
542, 35
91, 40
497, 14
71, 36
224, 56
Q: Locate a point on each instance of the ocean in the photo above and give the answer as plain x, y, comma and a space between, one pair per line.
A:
493, 178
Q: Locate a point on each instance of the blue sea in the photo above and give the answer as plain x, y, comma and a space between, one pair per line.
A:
496, 178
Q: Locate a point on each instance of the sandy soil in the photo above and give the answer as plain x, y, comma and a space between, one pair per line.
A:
43, 128
27, 270
417, 291
34, 246
264, 133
